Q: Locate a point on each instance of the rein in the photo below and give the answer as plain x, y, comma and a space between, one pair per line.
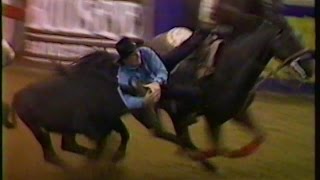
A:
282, 65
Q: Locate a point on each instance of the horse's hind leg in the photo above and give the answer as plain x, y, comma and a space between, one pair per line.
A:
44, 139
123, 131
68, 143
184, 135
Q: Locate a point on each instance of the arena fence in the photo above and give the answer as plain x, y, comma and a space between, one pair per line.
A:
66, 29
63, 30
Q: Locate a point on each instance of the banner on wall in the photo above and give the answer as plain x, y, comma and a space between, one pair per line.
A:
107, 18
80, 25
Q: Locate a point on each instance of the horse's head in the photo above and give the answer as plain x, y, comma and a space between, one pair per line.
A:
289, 50
303, 65
286, 48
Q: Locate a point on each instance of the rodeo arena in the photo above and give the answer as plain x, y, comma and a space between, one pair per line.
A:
158, 89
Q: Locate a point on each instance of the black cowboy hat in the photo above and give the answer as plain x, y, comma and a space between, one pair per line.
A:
125, 47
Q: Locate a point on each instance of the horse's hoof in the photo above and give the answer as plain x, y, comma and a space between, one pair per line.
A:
209, 166
118, 156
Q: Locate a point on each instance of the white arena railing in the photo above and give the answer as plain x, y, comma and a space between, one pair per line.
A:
64, 30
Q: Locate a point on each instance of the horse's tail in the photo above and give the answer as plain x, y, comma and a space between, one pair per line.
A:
9, 113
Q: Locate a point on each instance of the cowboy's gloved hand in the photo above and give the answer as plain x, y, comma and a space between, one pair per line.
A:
151, 98
154, 87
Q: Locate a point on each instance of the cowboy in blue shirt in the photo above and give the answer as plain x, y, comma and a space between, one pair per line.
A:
146, 67
141, 69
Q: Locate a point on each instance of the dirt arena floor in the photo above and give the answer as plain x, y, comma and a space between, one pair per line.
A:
288, 152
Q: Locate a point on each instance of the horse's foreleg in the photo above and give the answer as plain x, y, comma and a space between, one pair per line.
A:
214, 133
245, 120
183, 134
124, 133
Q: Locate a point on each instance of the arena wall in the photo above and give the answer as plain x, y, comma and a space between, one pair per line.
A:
162, 15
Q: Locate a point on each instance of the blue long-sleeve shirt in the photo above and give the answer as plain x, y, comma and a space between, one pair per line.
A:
151, 70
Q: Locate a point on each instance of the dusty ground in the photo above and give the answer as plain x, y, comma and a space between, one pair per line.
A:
287, 154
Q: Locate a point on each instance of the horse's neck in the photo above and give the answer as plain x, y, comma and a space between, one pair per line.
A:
247, 74
243, 60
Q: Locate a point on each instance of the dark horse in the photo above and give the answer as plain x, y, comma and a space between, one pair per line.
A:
230, 90
80, 100
230, 14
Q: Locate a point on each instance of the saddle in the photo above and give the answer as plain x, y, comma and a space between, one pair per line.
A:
206, 53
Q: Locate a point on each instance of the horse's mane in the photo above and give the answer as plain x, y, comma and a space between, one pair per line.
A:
96, 60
